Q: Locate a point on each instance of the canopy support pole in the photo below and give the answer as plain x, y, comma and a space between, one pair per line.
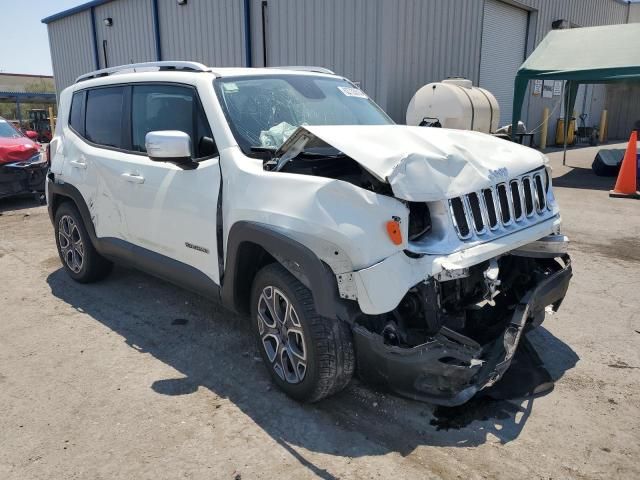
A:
571, 90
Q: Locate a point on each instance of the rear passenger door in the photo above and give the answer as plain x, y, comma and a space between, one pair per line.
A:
170, 210
102, 144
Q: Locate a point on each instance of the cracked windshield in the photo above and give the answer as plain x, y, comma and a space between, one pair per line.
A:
265, 111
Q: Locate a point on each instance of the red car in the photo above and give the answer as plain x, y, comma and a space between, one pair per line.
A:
23, 168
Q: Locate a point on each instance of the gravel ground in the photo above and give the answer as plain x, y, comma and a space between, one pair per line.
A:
135, 378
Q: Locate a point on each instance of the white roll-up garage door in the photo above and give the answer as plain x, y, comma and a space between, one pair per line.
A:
504, 37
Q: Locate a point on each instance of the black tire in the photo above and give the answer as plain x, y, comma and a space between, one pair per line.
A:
93, 266
327, 342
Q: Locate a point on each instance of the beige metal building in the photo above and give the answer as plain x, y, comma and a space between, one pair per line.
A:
391, 47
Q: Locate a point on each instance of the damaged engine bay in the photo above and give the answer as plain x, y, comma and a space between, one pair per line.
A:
477, 305
447, 340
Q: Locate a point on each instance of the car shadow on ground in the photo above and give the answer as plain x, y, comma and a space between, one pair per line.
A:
584, 178
20, 202
212, 348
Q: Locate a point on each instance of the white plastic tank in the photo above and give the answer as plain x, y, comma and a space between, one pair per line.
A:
454, 103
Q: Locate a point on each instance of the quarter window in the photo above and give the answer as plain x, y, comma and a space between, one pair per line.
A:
169, 107
104, 116
75, 117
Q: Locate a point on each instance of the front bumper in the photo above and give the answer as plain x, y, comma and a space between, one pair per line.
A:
451, 368
22, 177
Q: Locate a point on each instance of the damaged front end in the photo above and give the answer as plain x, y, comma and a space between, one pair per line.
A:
479, 261
447, 340
23, 177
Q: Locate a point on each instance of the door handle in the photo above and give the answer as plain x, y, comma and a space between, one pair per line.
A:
132, 177
78, 164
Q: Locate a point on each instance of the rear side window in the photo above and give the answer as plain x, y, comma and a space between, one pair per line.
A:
103, 124
169, 107
76, 121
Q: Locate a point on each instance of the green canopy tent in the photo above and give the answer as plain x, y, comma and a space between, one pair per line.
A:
609, 53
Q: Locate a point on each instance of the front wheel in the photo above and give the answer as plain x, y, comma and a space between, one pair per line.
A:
309, 357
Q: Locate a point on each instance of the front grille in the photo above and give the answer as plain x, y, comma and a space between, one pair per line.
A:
528, 196
503, 202
519, 202
460, 217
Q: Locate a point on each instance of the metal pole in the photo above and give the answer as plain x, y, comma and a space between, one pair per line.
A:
51, 124
18, 113
545, 127
566, 122
603, 124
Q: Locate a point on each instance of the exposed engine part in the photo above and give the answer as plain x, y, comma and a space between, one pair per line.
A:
491, 280
474, 346
476, 305
419, 220
337, 166
449, 272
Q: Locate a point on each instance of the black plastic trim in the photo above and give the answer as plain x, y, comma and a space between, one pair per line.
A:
295, 257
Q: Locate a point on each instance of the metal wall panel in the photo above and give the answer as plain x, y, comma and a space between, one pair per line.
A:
624, 109
582, 13
392, 47
207, 31
131, 37
71, 45
426, 42
343, 36
504, 38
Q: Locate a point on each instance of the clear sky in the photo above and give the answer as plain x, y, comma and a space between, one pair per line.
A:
24, 45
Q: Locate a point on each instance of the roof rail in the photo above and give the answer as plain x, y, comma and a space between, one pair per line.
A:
166, 65
304, 68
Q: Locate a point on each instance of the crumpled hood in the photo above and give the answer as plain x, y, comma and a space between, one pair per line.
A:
17, 149
425, 164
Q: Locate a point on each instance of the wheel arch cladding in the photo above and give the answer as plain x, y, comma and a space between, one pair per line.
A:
252, 245
60, 192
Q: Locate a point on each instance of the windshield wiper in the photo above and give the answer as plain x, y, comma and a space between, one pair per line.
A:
264, 149
320, 155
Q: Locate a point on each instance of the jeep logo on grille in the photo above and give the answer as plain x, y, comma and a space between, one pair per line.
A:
499, 174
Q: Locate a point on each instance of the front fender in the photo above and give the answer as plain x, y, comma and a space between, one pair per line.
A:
299, 260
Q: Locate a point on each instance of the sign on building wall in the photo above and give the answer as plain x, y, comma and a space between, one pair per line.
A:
537, 87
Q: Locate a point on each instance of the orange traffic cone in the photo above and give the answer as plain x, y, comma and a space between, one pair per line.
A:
626, 185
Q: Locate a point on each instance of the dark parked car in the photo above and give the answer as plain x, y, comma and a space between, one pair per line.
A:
23, 167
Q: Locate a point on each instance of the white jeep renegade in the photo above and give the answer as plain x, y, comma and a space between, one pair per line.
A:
418, 256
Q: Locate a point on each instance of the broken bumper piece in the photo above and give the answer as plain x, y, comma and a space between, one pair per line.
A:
451, 368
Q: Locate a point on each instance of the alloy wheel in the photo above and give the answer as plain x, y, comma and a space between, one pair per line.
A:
281, 335
71, 246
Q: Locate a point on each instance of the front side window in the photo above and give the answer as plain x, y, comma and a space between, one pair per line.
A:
103, 123
263, 111
169, 107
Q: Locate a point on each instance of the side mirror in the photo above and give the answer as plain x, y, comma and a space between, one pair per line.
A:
169, 146
31, 134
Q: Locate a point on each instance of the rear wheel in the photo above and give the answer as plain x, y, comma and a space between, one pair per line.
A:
78, 255
309, 357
